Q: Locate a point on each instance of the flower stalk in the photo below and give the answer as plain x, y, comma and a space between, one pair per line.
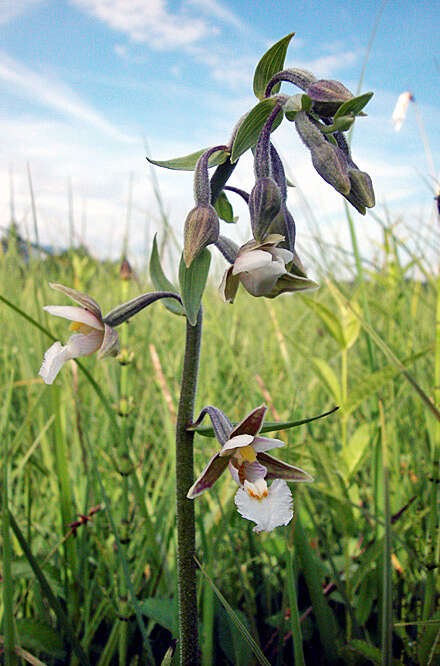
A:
186, 566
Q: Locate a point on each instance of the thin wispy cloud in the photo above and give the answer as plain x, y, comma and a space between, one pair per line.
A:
330, 65
219, 11
11, 9
53, 94
148, 21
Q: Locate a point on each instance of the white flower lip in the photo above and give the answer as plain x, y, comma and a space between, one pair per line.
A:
268, 512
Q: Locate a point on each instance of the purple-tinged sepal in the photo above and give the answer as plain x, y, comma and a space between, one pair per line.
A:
251, 424
228, 248
220, 423
277, 469
213, 470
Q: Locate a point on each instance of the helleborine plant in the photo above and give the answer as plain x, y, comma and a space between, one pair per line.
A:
243, 452
266, 266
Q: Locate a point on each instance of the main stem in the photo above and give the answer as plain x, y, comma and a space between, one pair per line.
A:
186, 567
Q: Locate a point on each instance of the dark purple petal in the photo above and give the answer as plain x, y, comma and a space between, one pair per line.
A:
251, 424
276, 469
213, 470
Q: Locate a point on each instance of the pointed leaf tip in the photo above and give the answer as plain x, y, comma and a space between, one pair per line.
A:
270, 64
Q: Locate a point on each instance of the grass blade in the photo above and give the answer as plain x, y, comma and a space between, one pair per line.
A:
233, 616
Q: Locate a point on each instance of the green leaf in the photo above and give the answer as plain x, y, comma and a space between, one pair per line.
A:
224, 208
328, 318
162, 611
36, 636
192, 284
357, 446
328, 377
188, 162
161, 281
268, 426
252, 125
270, 64
310, 566
353, 106
370, 652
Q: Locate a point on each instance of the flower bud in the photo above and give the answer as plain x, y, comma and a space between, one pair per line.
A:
126, 271
264, 205
125, 357
327, 96
201, 229
283, 224
125, 406
329, 162
361, 193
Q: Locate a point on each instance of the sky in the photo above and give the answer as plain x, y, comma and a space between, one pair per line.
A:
87, 87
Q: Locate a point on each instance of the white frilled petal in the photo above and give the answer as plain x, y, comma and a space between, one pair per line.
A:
262, 444
53, 361
73, 313
236, 442
281, 254
261, 281
57, 355
268, 512
251, 261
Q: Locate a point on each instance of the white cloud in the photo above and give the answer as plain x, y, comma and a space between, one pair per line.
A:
147, 21
329, 65
222, 13
53, 94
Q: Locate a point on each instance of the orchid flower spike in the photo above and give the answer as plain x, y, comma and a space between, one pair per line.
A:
263, 270
244, 453
91, 334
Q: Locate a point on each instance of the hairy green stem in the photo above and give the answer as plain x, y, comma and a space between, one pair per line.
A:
186, 566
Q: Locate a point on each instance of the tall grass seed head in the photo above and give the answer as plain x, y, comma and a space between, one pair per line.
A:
401, 108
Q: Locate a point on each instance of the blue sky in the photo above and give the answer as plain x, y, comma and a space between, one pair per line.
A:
84, 83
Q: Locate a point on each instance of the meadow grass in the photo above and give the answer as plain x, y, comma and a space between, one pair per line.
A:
353, 577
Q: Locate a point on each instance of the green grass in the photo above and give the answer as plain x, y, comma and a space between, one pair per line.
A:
352, 578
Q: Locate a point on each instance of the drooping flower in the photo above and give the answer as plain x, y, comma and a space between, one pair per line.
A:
401, 108
91, 334
263, 270
244, 453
